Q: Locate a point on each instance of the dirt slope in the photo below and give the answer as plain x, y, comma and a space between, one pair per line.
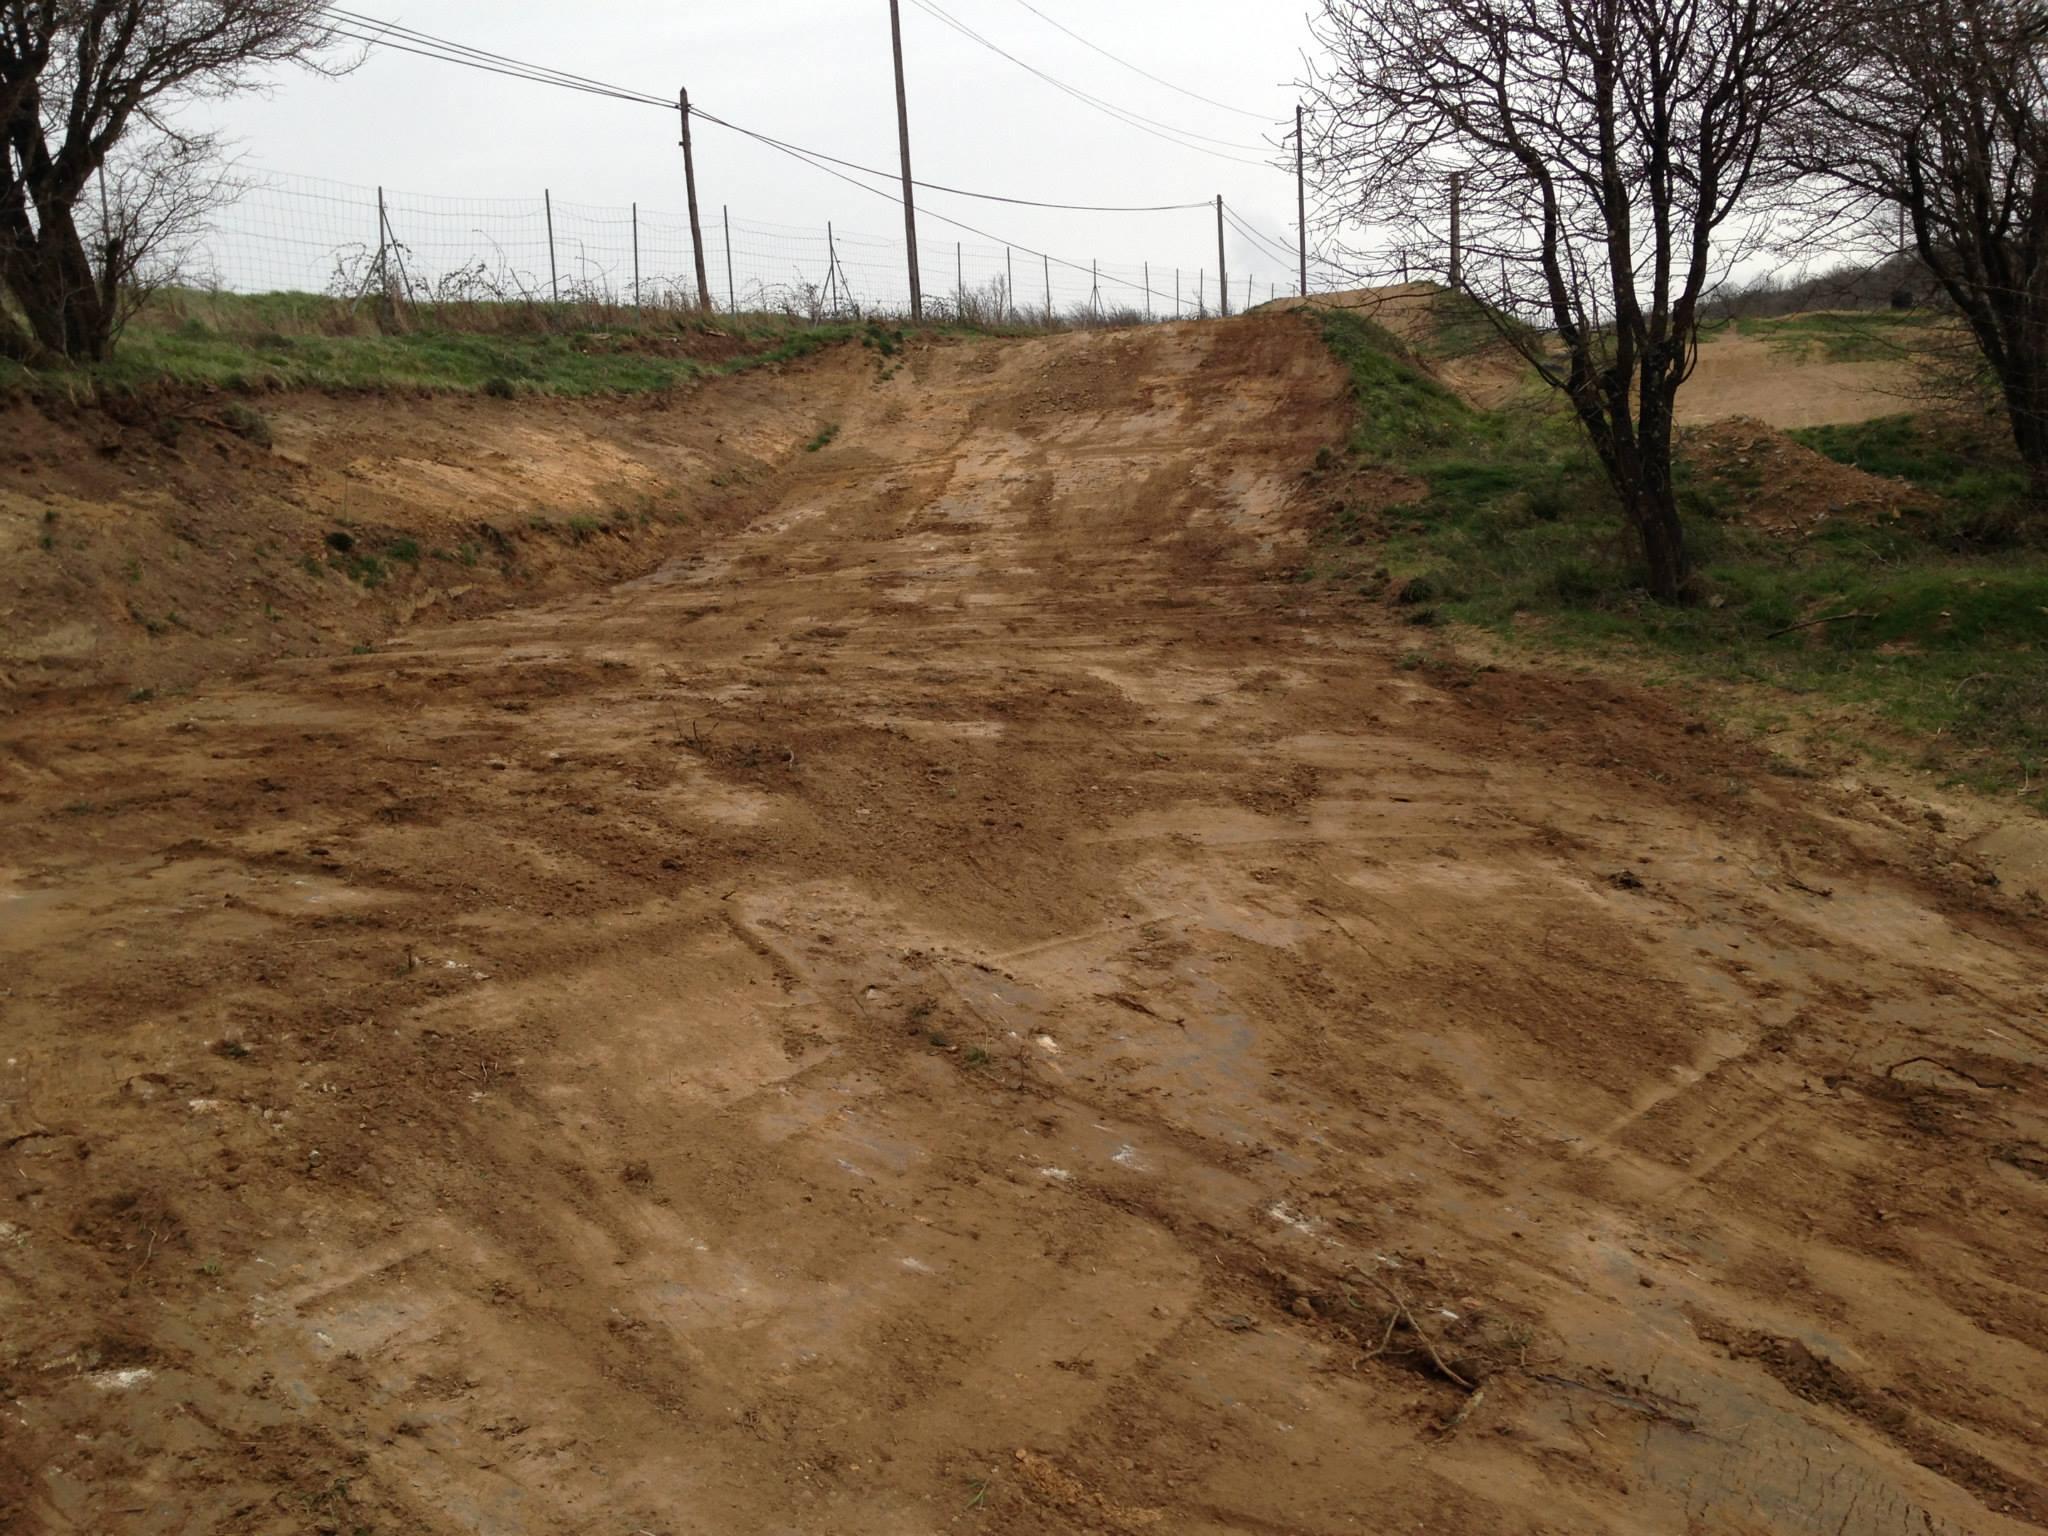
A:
151, 548
1736, 375
974, 1004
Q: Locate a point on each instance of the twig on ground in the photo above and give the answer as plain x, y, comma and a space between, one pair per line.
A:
1401, 1311
148, 1251
1826, 618
1456, 1421
1954, 1071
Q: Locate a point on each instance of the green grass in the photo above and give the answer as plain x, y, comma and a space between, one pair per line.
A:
1845, 336
1459, 326
1402, 411
1517, 534
264, 342
1967, 465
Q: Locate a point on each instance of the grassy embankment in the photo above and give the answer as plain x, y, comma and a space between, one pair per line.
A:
1934, 649
256, 343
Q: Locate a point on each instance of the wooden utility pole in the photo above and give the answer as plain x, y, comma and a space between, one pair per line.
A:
1457, 242
690, 188
547, 205
1301, 199
903, 137
1222, 271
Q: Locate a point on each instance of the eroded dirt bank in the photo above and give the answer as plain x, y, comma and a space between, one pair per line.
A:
973, 1004
155, 542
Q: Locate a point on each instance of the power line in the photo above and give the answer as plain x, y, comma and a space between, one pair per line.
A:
933, 186
1268, 246
425, 45
1059, 261
1182, 137
383, 34
1264, 117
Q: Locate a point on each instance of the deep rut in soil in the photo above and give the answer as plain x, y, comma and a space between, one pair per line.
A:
975, 1003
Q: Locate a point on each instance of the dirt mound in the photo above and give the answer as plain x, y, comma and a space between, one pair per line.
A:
1406, 309
972, 1002
1784, 487
1449, 335
1735, 376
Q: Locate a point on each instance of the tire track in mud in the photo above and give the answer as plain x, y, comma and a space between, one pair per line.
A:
955, 1007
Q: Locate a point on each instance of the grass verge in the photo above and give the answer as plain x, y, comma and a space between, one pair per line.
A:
263, 342
1898, 626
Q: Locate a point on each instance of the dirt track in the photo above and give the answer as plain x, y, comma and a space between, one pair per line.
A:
975, 1004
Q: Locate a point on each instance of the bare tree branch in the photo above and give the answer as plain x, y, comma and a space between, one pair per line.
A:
1616, 160
79, 78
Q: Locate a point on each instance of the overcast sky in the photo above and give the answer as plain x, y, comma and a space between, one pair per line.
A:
818, 72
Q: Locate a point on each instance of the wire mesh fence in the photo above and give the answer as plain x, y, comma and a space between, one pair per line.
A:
290, 233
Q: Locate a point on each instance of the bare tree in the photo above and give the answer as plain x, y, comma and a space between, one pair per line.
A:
79, 78
1945, 116
1613, 159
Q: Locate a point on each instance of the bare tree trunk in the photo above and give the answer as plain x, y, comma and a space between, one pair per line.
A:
1634, 446
2024, 385
58, 290
1665, 555
79, 78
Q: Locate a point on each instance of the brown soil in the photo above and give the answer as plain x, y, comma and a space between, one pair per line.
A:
970, 1003
1783, 486
149, 548
1752, 376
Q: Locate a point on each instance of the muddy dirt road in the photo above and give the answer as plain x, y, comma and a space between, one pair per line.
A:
976, 1004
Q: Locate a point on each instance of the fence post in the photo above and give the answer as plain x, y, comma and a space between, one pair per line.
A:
547, 203
1048, 288
1176, 293
1010, 283
690, 188
831, 268
1095, 287
959, 286
636, 255
732, 297
383, 259
1148, 290
1222, 268
1201, 292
